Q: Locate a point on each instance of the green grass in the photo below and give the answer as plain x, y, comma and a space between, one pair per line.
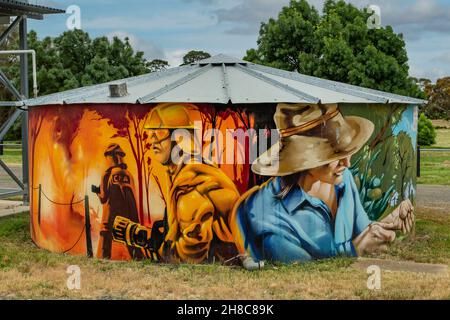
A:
27, 272
431, 243
443, 138
12, 155
434, 168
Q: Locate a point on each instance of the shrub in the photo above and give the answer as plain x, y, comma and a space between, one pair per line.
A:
427, 133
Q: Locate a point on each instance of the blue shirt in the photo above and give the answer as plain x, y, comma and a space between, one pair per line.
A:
300, 227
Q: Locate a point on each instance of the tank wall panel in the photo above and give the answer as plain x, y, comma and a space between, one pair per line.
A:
175, 182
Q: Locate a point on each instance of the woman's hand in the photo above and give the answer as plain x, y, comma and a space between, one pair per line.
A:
401, 219
375, 238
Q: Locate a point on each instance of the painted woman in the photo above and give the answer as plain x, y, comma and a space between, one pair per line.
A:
310, 208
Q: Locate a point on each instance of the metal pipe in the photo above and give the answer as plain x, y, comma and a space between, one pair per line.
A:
23, 45
250, 264
33, 58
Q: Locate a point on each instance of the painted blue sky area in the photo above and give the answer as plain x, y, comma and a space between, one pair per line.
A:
408, 124
167, 29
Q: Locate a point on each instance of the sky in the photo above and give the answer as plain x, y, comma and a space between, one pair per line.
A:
167, 29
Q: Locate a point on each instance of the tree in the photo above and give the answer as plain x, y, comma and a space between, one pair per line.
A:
438, 106
427, 133
5, 95
194, 56
157, 65
72, 60
337, 45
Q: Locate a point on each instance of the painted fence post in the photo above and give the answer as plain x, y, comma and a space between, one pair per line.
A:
89, 251
39, 204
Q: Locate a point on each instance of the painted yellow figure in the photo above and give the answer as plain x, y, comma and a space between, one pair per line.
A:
199, 197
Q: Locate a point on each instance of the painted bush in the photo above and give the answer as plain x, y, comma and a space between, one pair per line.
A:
143, 204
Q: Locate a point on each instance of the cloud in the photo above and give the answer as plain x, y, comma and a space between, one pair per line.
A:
151, 51
428, 72
161, 22
412, 18
444, 58
175, 57
246, 16
203, 2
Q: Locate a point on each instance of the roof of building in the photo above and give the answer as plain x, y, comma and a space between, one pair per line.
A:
223, 79
19, 8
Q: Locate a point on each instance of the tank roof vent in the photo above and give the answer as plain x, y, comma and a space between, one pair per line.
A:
118, 90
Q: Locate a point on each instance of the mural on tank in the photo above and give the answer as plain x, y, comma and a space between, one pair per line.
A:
197, 183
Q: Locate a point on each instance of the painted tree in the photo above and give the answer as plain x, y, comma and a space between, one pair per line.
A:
129, 122
243, 120
212, 118
406, 161
35, 125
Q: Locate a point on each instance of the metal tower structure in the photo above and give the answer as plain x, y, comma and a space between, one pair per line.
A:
17, 13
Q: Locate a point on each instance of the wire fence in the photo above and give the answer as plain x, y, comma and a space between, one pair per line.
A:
87, 221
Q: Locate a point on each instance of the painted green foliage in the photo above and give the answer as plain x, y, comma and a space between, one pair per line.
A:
385, 169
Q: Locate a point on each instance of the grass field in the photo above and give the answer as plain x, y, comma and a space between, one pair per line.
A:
435, 168
28, 273
12, 155
443, 138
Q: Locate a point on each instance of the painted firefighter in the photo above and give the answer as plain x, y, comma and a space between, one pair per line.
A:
199, 196
116, 193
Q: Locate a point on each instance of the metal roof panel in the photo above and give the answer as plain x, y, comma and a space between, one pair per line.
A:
222, 79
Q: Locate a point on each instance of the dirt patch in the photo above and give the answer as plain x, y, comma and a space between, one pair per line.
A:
401, 266
444, 124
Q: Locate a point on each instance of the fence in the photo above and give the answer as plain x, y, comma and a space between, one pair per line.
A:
87, 221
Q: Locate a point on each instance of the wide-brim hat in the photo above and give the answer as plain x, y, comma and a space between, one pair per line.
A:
312, 136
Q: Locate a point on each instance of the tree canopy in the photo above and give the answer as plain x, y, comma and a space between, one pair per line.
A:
73, 60
194, 56
337, 45
438, 94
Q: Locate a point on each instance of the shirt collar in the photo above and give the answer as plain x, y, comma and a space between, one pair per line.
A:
297, 196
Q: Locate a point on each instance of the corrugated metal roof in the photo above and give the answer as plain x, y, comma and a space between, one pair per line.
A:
35, 11
223, 79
